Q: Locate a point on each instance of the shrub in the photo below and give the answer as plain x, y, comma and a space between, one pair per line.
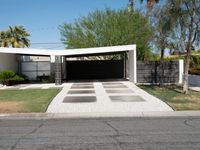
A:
25, 78
8, 77
195, 70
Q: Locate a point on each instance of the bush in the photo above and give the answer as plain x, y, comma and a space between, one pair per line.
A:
26, 80
8, 77
195, 70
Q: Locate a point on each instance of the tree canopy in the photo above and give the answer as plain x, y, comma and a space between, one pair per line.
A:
178, 28
108, 28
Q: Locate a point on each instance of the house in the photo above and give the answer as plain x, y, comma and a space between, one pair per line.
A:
59, 64
65, 65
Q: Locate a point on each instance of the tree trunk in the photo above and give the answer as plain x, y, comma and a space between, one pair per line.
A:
162, 54
149, 7
188, 49
132, 5
185, 76
161, 67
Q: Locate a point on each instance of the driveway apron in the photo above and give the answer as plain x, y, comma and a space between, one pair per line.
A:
105, 97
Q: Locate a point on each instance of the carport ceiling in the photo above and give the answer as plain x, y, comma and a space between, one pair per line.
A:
98, 54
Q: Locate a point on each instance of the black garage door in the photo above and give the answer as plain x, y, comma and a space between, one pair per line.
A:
100, 69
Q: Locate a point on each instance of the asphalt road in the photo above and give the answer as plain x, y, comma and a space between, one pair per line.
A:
102, 134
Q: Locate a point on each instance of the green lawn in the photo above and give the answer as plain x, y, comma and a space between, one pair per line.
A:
173, 97
26, 101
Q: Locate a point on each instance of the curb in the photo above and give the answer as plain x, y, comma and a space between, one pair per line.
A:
40, 116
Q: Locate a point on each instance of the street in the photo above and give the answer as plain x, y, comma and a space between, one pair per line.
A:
173, 133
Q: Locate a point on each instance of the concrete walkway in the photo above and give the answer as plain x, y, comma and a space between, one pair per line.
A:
197, 89
33, 86
105, 97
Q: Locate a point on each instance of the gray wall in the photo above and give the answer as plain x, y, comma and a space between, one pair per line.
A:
194, 80
33, 69
152, 72
8, 62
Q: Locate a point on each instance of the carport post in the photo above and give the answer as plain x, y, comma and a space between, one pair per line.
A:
58, 70
133, 65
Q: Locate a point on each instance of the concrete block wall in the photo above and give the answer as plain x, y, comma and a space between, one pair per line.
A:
194, 80
156, 72
8, 62
58, 70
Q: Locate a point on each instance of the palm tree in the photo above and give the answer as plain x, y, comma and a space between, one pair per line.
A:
5, 38
149, 5
19, 37
131, 5
15, 37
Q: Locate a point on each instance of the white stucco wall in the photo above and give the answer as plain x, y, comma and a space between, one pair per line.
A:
8, 62
132, 65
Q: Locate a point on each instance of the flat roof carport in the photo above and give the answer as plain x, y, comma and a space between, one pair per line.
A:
78, 52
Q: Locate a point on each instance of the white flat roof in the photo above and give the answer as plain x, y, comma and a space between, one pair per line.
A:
68, 52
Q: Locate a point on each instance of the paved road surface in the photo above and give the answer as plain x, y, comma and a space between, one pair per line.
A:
102, 134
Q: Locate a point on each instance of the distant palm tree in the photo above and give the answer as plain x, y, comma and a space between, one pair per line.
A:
131, 4
149, 5
4, 38
19, 37
15, 37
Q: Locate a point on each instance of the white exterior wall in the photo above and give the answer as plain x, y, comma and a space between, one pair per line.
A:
132, 65
181, 71
8, 62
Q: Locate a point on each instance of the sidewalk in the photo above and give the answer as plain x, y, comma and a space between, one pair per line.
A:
33, 86
197, 89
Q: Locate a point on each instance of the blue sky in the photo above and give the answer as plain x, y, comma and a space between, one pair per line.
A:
42, 17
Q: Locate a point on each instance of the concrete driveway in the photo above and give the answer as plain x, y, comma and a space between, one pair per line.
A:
105, 97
